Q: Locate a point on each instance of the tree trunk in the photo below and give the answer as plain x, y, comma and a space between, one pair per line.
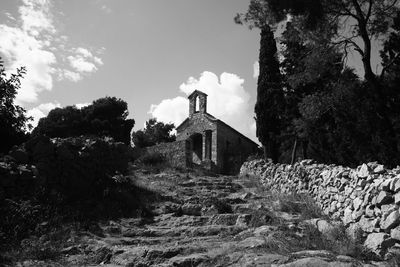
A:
294, 151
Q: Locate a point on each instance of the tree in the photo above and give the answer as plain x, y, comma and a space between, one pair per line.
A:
154, 133
104, 117
355, 23
13, 118
308, 67
270, 102
108, 116
322, 97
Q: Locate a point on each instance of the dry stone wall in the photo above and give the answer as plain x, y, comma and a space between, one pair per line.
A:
365, 199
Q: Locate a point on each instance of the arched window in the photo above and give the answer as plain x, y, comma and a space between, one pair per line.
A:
197, 104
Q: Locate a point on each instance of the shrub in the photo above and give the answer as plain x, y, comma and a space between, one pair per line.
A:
300, 204
18, 219
79, 168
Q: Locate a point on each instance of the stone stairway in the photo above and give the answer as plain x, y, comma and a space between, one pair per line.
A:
203, 221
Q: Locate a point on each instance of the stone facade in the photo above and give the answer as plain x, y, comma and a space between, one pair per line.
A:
365, 199
175, 152
209, 142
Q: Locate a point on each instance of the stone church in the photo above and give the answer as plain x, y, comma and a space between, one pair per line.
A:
206, 141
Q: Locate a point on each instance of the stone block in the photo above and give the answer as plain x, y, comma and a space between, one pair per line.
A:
397, 198
379, 242
395, 233
363, 171
385, 185
384, 198
391, 221
396, 185
379, 169
368, 225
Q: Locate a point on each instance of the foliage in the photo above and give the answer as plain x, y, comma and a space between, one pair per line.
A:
336, 117
269, 105
13, 119
154, 133
19, 219
79, 168
104, 117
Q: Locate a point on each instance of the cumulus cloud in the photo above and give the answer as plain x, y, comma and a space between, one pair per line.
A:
227, 101
84, 61
69, 75
33, 41
173, 110
41, 111
82, 105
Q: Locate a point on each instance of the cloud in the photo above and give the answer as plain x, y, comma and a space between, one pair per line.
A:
41, 111
227, 100
33, 41
84, 61
173, 110
70, 75
79, 64
82, 105
256, 70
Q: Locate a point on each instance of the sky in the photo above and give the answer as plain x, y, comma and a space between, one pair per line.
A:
150, 53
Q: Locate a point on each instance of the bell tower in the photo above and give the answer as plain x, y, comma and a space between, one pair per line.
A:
197, 103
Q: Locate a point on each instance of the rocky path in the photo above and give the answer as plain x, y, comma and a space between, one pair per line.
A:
205, 221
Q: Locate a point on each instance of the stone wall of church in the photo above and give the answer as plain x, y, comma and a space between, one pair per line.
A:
174, 152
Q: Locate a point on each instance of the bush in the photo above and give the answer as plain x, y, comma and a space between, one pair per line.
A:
79, 168
18, 219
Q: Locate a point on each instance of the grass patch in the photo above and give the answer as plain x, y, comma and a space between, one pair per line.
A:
297, 204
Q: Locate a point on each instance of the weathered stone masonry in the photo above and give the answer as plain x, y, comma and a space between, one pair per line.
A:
208, 141
174, 152
366, 198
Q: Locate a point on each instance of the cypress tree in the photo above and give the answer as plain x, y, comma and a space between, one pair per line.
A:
270, 101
